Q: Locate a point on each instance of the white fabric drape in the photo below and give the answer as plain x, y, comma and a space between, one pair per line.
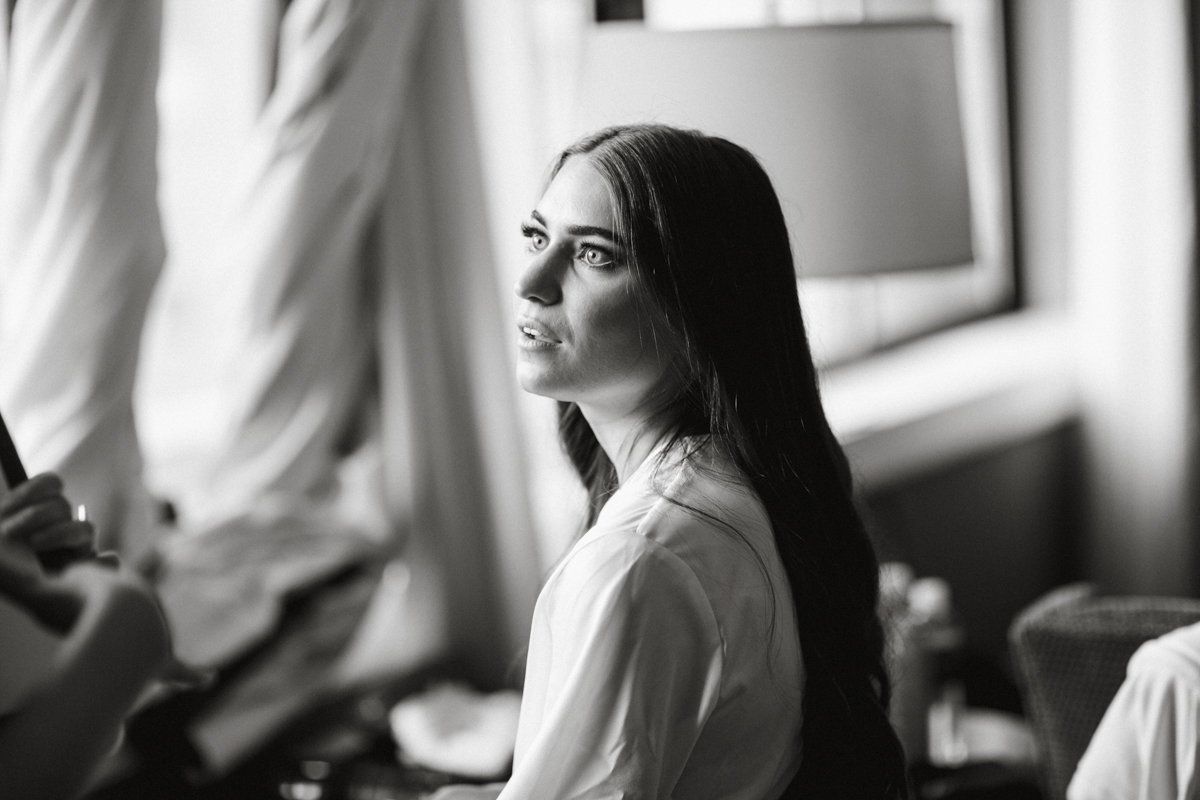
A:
1132, 245
362, 234
302, 241
449, 397
80, 247
317, 167
523, 63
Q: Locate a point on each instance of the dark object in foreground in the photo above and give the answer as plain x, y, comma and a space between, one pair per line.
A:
10, 461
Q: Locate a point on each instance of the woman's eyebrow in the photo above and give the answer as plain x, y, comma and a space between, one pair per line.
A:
578, 230
591, 230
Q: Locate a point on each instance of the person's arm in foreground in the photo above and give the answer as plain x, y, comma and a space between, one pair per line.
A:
117, 644
115, 641
1147, 744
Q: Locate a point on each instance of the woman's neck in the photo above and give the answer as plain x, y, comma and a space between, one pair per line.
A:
627, 440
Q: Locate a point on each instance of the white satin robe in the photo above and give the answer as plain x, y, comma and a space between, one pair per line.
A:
662, 661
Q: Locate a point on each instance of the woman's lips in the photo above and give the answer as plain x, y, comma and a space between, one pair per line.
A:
534, 334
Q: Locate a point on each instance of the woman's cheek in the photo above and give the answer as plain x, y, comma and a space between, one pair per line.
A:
618, 338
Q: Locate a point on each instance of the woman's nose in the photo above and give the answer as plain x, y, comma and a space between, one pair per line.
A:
541, 280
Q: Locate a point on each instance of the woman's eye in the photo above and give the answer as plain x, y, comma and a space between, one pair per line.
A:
536, 239
595, 257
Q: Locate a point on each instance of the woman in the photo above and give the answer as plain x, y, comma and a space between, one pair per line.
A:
714, 633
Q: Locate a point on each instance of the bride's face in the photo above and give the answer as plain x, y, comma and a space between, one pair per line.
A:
581, 335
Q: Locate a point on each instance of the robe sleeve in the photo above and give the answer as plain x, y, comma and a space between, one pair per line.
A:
624, 669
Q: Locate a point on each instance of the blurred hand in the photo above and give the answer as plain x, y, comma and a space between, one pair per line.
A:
103, 579
37, 515
115, 643
19, 569
57, 602
24, 583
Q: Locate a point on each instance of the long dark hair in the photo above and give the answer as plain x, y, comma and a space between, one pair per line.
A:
701, 228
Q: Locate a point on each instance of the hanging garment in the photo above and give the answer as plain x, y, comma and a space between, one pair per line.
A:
80, 247
318, 162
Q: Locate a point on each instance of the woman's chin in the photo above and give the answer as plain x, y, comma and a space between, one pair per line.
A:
534, 381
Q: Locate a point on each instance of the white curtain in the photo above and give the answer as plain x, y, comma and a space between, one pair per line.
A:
80, 247
1132, 247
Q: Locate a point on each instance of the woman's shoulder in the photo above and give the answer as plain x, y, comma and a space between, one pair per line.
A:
690, 519
684, 492
607, 556
711, 480
704, 502
622, 575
